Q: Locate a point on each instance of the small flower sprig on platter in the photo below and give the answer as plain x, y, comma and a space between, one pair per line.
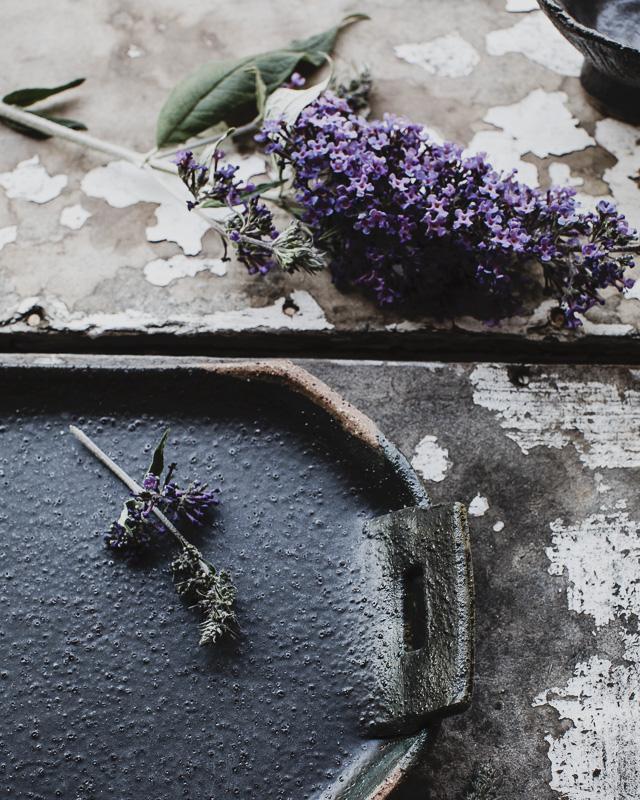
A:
149, 515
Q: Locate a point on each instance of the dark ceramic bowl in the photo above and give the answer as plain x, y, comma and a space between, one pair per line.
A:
607, 32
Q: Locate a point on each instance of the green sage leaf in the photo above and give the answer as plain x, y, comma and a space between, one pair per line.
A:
27, 97
323, 43
157, 462
226, 90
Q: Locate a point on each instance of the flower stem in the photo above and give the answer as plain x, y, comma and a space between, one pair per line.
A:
128, 482
141, 160
50, 128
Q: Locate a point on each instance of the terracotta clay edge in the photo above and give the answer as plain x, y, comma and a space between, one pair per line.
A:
283, 371
393, 779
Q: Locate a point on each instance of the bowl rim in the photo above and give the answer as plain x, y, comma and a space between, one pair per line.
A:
557, 10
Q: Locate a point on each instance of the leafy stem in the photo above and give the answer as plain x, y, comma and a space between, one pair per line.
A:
196, 580
140, 160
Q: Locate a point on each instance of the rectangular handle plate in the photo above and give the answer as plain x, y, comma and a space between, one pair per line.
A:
420, 618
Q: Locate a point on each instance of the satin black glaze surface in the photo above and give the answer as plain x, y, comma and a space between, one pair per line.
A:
607, 32
104, 690
617, 19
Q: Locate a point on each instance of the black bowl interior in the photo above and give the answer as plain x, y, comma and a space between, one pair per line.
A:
105, 693
618, 20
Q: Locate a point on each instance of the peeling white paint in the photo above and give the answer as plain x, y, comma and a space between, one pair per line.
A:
448, 56
537, 38
31, 181
504, 153
600, 557
123, 184
430, 459
606, 328
308, 316
8, 235
598, 419
520, 6
478, 507
560, 175
499, 526
598, 757
541, 124
74, 217
163, 271
622, 141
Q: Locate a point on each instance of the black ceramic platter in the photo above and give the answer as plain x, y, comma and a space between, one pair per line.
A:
354, 593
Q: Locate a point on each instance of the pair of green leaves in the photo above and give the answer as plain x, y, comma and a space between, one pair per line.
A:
230, 91
27, 97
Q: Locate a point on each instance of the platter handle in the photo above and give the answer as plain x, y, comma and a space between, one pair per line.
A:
419, 619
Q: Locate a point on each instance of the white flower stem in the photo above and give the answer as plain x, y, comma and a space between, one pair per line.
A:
128, 481
141, 160
81, 138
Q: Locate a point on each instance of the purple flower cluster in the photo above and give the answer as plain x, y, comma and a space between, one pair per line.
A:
417, 221
250, 221
138, 527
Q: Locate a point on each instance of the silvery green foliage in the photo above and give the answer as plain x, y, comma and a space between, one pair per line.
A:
207, 589
294, 250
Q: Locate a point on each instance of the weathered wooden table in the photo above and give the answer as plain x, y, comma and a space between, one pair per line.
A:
95, 259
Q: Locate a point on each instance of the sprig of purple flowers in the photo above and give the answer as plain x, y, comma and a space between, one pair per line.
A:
149, 514
417, 221
421, 223
138, 526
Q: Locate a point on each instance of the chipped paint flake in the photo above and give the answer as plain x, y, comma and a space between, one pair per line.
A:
307, 316
479, 506
430, 459
600, 557
74, 217
8, 235
541, 124
622, 141
520, 6
560, 175
504, 154
31, 181
537, 38
135, 52
448, 56
163, 271
596, 418
123, 184
598, 757
499, 526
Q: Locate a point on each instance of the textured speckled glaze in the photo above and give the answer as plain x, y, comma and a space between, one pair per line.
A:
607, 32
105, 693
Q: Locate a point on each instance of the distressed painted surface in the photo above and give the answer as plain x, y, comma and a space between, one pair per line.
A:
449, 56
596, 418
521, 103
557, 565
594, 552
535, 37
430, 459
597, 758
